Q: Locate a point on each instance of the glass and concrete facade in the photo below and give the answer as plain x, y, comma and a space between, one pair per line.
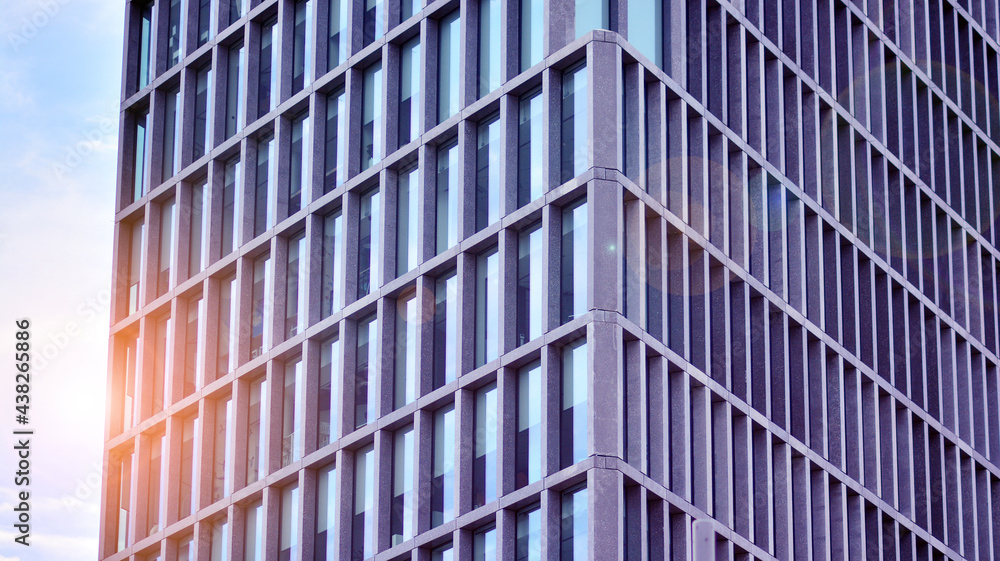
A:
556, 280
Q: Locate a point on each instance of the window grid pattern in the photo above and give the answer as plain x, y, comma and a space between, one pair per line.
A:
796, 301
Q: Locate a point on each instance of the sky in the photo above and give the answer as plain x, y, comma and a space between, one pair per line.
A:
60, 88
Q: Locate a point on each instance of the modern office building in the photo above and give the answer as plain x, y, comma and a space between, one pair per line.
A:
556, 280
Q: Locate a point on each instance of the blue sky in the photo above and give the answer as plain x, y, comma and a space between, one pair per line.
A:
60, 84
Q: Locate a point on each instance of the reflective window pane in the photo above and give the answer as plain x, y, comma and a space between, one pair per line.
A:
407, 322
573, 539
171, 134
300, 173
363, 525
529, 148
443, 473
228, 321
145, 42
410, 7
449, 53
337, 45
529, 535
573, 418
645, 28
257, 431
489, 46
365, 385
575, 147
487, 308
136, 264
528, 442
206, 21
574, 283
265, 208
219, 541
164, 277
292, 413
326, 508
187, 494
153, 487
333, 264
335, 167
140, 157
295, 286
267, 83
409, 91
591, 14
484, 463
163, 355
176, 17
403, 495
253, 548
231, 206
222, 464
488, 187
288, 538
369, 245
329, 391
234, 91
302, 46
374, 20
260, 311
484, 545
371, 130
194, 350
532, 31
202, 113
445, 330
198, 242
407, 220
446, 207
529, 285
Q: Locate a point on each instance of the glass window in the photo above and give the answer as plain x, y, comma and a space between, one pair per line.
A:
260, 311
234, 91
206, 21
410, 7
136, 258
487, 308
326, 509
488, 173
222, 476
443, 553
329, 391
228, 320
445, 329
371, 131
591, 14
145, 39
289, 531
333, 264
236, 8
176, 17
529, 285
231, 206
219, 547
154, 506
443, 482
302, 54
130, 404
374, 22
267, 84
573, 540
198, 242
406, 350
140, 158
484, 544
529, 148
300, 174
185, 548
164, 278
369, 277
265, 208
407, 233
194, 356
257, 431
645, 28
187, 495
295, 286
574, 261
337, 45
365, 377
449, 53
573, 420
403, 496
409, 92
334, 168
447, 196
575, 145
363, 525
291, 413
202, 113
162, 361
125, 501
171, 134
254, 546
489, 46
484, 464
528, 442
529, 534
532, 31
